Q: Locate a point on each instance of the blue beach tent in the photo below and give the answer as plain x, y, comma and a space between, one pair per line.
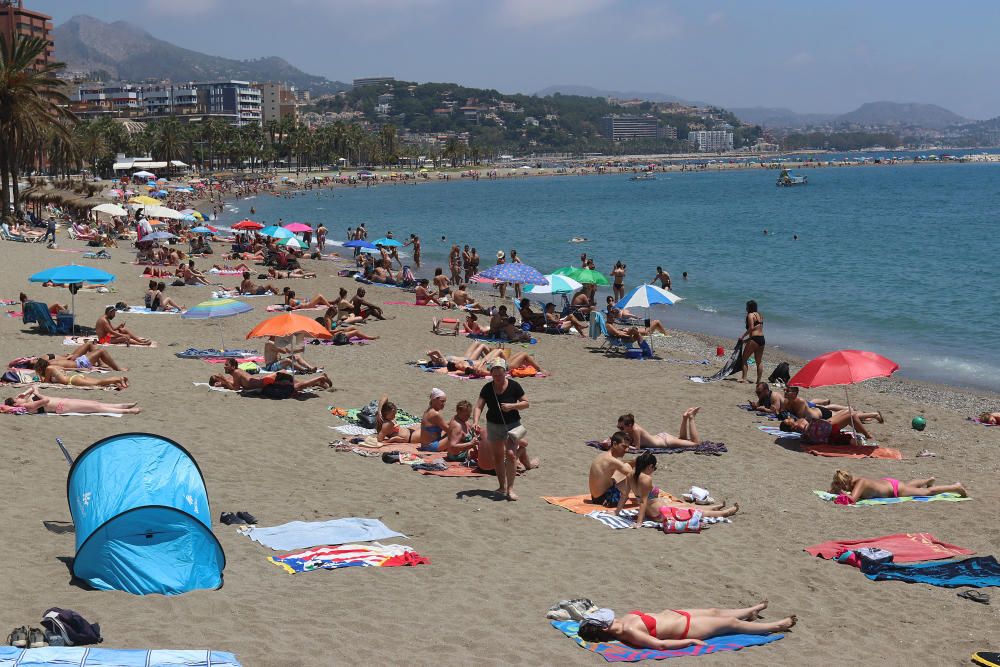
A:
143, 523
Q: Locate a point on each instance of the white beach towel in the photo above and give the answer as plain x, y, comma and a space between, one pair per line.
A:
353, 429
211, 388
627, 518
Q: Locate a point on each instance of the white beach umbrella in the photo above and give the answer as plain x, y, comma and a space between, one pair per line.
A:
162, 212
109, 209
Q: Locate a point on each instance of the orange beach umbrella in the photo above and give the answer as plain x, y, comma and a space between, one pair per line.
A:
289, 324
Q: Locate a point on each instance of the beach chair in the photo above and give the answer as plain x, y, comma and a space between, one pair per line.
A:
599, 329
38, 313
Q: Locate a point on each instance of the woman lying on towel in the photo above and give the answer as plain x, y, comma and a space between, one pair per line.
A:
478, 358
687, 435
991, 418
828, 431
37, 403
673, 629
390, 431
860, 488
298, 304
54, 375
87, 356
650, 504
329, 321
291, 273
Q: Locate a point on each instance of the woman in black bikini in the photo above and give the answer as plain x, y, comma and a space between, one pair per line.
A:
673, 629
753, 339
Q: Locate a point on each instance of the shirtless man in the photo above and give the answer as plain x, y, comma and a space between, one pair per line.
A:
462, 436
249, 287
582, 302
655, 326
558, 324
461, 298
236, 379
442, 283
88, 355
663, 277
106, 333
478, 359
768, 402
643, 439
801, 408
609, 474
364, 308
422, 296
827, 431
273, 361
190, 275
54, 375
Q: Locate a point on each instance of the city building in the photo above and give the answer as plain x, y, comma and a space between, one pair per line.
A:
170, 99
712, 141
16, 20
278, 101
625, 128
236, 101
98, 99
373, 81
668, 132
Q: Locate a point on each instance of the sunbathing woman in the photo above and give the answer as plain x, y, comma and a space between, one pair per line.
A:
88, 355
161, 302
37, 403
652, 507
655, 326
298, 304
55, 375
391, 432
556, 324
991, 418
291, 273
433, 427
423, 296
678, 628
643, 439
823, 431
328, 320
860, 488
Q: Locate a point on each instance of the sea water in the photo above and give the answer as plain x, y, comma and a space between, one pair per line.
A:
900, 260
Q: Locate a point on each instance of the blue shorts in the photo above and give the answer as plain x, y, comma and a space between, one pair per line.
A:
274, 367
609, 498
432, 446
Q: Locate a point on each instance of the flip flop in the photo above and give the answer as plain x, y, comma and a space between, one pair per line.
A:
975, 596
247, 517
230, 519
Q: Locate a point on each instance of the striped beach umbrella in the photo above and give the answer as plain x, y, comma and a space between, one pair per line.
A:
646, 296
216, 308
292, 242
557, 285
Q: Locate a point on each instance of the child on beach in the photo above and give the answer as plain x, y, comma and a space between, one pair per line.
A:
860, 488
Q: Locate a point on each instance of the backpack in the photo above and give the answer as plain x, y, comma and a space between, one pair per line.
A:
341, 339
780, 374
366, 415
74, 629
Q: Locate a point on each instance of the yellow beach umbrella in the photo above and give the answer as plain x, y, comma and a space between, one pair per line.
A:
144, 200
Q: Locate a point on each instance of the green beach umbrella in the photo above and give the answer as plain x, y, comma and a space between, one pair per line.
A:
583, 276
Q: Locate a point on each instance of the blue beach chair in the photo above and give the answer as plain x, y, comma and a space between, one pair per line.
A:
37, 312
599, 328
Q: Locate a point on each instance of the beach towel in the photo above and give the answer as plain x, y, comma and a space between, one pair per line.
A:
905, 547
626, 519
618, 652
353, 429
349, 555
282, 308
305, 534
451, 469
211, 388
142, 310
951, 497
749, 408
406, 303
871, 450
15, 313
233, 294
978, 572
734, 364
225, 272
91, 656
581, 504
196, 353
705, 448
403, 418
975, 420
76, 341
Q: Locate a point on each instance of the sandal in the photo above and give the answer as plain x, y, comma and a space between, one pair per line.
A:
18, 638
975, 596
249, 518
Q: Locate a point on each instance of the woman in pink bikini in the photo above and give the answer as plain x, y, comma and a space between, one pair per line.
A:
677, 628
860, 488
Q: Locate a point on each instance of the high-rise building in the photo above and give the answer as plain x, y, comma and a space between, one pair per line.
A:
373, 81
626, 128
277, 101
16, 20
712, 141
236, 101
170, 99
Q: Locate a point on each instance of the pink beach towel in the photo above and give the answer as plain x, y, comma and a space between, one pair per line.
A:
905, 547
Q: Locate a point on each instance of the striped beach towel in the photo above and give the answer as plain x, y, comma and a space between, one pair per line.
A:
627, 518
349, 555
950, 497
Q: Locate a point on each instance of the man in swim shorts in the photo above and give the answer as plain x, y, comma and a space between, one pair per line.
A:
609, 474
824, 409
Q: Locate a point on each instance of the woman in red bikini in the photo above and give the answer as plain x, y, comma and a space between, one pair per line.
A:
678, 628
860, 488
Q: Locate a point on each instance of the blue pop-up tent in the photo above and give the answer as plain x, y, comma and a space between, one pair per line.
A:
143, 523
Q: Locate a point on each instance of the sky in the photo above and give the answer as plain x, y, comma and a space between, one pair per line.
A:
808, 56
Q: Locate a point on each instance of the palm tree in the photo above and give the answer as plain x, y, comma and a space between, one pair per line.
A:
30, 105
168, 137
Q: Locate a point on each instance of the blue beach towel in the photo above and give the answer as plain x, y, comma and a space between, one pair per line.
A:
951, 497
82, 656
618, 652
978, 572
304, 534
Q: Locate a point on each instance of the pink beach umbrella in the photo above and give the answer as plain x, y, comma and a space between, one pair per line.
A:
296, 227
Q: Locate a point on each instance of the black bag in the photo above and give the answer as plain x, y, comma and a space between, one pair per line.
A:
366, 415
75, 629
282, 387
341, 339
780, 374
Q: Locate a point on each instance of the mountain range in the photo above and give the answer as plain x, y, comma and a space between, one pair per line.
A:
588, 91
123, 51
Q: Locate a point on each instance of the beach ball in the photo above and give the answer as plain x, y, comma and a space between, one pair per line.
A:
918, 423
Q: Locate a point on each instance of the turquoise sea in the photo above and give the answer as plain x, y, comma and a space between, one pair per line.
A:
900, 260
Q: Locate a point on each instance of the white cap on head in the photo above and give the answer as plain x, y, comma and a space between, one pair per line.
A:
499, 362
437, 393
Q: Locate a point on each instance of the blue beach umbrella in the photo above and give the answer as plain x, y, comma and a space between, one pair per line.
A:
647, 296
72, 274
202, 230
359, 244
515, 273
388, 243
276, 232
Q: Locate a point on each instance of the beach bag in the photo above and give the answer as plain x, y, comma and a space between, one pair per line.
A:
680, 520
366, 415
341, 339
518, 432
74, 629
282, 387
780, 375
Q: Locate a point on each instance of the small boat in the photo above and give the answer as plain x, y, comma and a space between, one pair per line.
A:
643, 177
785, 179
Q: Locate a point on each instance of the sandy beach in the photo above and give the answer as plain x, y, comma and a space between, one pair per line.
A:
496, 566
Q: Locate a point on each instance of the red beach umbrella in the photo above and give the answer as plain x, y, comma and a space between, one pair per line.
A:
247, 225
843, 367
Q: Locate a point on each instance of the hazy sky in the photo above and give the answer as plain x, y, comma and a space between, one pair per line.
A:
801, 54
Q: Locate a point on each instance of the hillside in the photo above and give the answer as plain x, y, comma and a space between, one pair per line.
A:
780, 117
588, 91
902, 113
127, 52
